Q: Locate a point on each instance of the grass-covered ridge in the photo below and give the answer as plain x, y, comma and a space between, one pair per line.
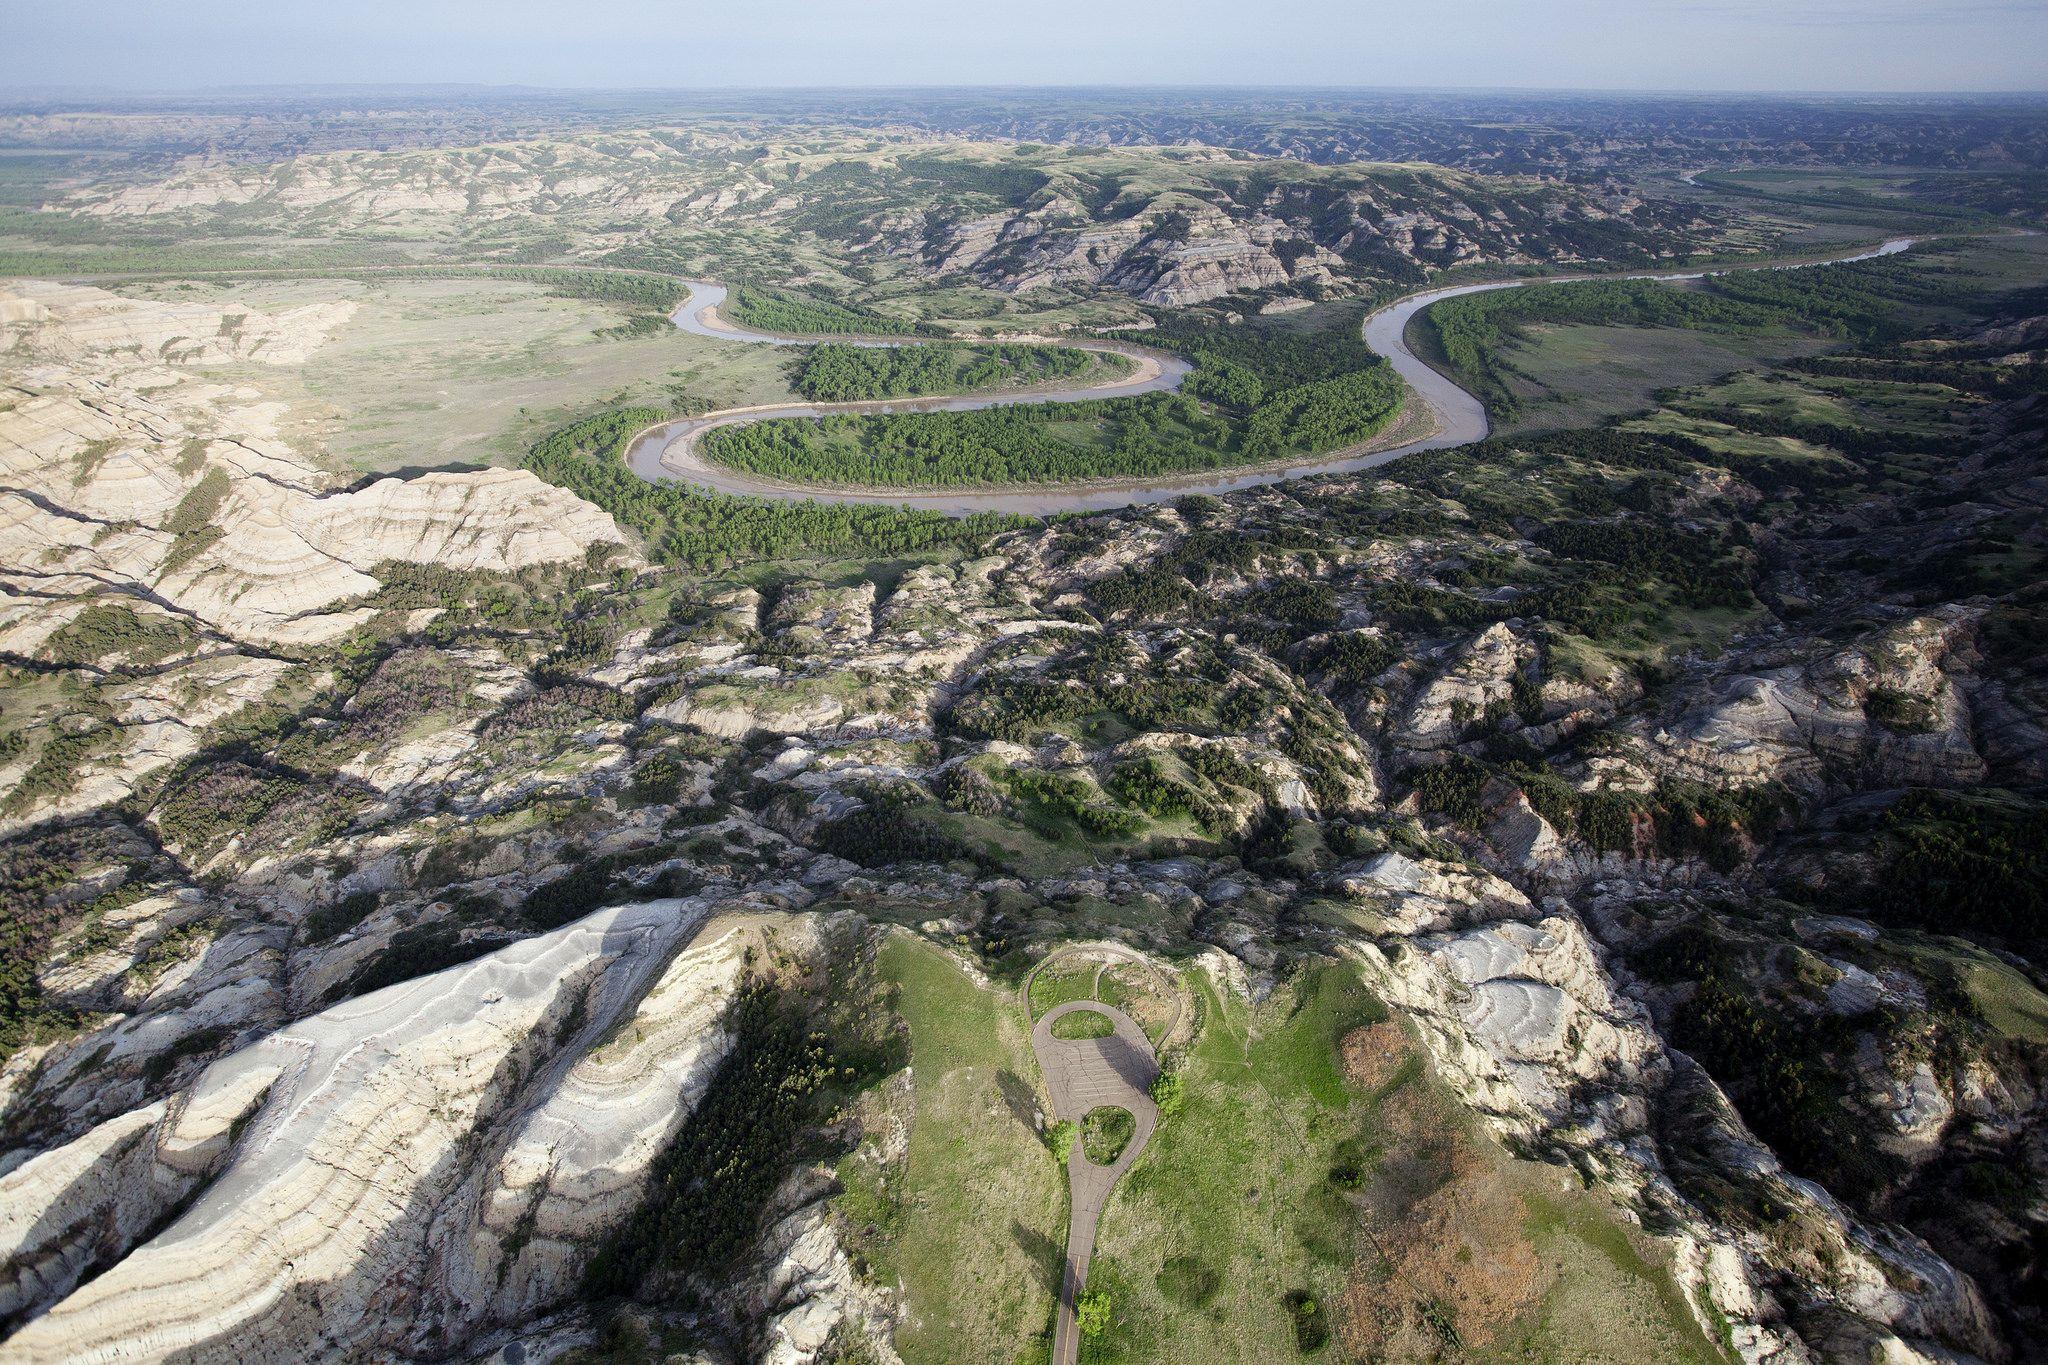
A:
967, 1221
1318, 1194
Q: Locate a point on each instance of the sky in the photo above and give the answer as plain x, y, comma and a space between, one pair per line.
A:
1749, 45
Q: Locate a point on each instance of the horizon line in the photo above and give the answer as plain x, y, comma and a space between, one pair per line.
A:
88, 92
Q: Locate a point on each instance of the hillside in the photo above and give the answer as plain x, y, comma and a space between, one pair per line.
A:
473, 891
1167, 226
1568, 751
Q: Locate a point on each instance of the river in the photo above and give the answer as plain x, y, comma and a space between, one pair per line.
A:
668, 452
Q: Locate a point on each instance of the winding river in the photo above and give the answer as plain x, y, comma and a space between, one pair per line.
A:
1456, 417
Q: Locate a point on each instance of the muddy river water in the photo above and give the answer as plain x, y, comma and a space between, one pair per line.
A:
669, 452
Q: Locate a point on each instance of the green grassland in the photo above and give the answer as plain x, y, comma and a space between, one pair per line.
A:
1229, 1209
1055, 986
1928, 409
1888, 200
1285, 1194
1082, 1024
970, 1224
1566, 375
1122, 985
1571, 355
2010, 1006
1056, 822
1822, 440
1029, 851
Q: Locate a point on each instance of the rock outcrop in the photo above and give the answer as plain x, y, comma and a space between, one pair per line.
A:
396, 1171
131, 486
1885, 710
1203, 226
1522, 1017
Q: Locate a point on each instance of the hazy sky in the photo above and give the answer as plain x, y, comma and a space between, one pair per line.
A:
1585, 44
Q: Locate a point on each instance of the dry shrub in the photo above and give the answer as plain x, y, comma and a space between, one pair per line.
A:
1373, 1054
1455, 1264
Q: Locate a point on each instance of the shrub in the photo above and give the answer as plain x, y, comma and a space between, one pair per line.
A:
882, 835
1069, 798
1105, 1132
110, 630
1222, 767
1607, 821
712, 1179
657, 782
197, 1043
419, 951
1451, 789
840, 373
35, 869
1144, 784
1966, 863
207, 805
1311, 1324
1092, 1312
567, 898
965, 789
797, 314
682, 525
1354, 656
332, 921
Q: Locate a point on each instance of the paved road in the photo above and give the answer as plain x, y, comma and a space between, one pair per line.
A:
1084, 1074
667, 452
1108, 955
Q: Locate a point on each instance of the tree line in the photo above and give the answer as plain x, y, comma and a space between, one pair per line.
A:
794, 314
709, 531
1250, 396
835, 373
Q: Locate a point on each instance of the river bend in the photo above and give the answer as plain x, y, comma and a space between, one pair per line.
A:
669, 452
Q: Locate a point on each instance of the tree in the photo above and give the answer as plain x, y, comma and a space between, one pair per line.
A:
1091, 1313
1060, 1138
1169, 1092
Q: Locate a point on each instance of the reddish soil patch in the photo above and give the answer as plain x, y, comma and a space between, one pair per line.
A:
1456, 1266
1373, 1054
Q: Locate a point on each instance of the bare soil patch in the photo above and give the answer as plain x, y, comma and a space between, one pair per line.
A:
1455, 1265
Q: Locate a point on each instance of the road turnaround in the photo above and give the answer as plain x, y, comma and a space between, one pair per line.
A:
668, 452
1108, 954
1082, 1075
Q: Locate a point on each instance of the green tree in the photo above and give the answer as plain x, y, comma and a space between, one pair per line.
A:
1060, 1138
1091, 1313
1169, 1092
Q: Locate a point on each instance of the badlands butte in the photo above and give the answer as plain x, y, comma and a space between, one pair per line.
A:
462, 901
